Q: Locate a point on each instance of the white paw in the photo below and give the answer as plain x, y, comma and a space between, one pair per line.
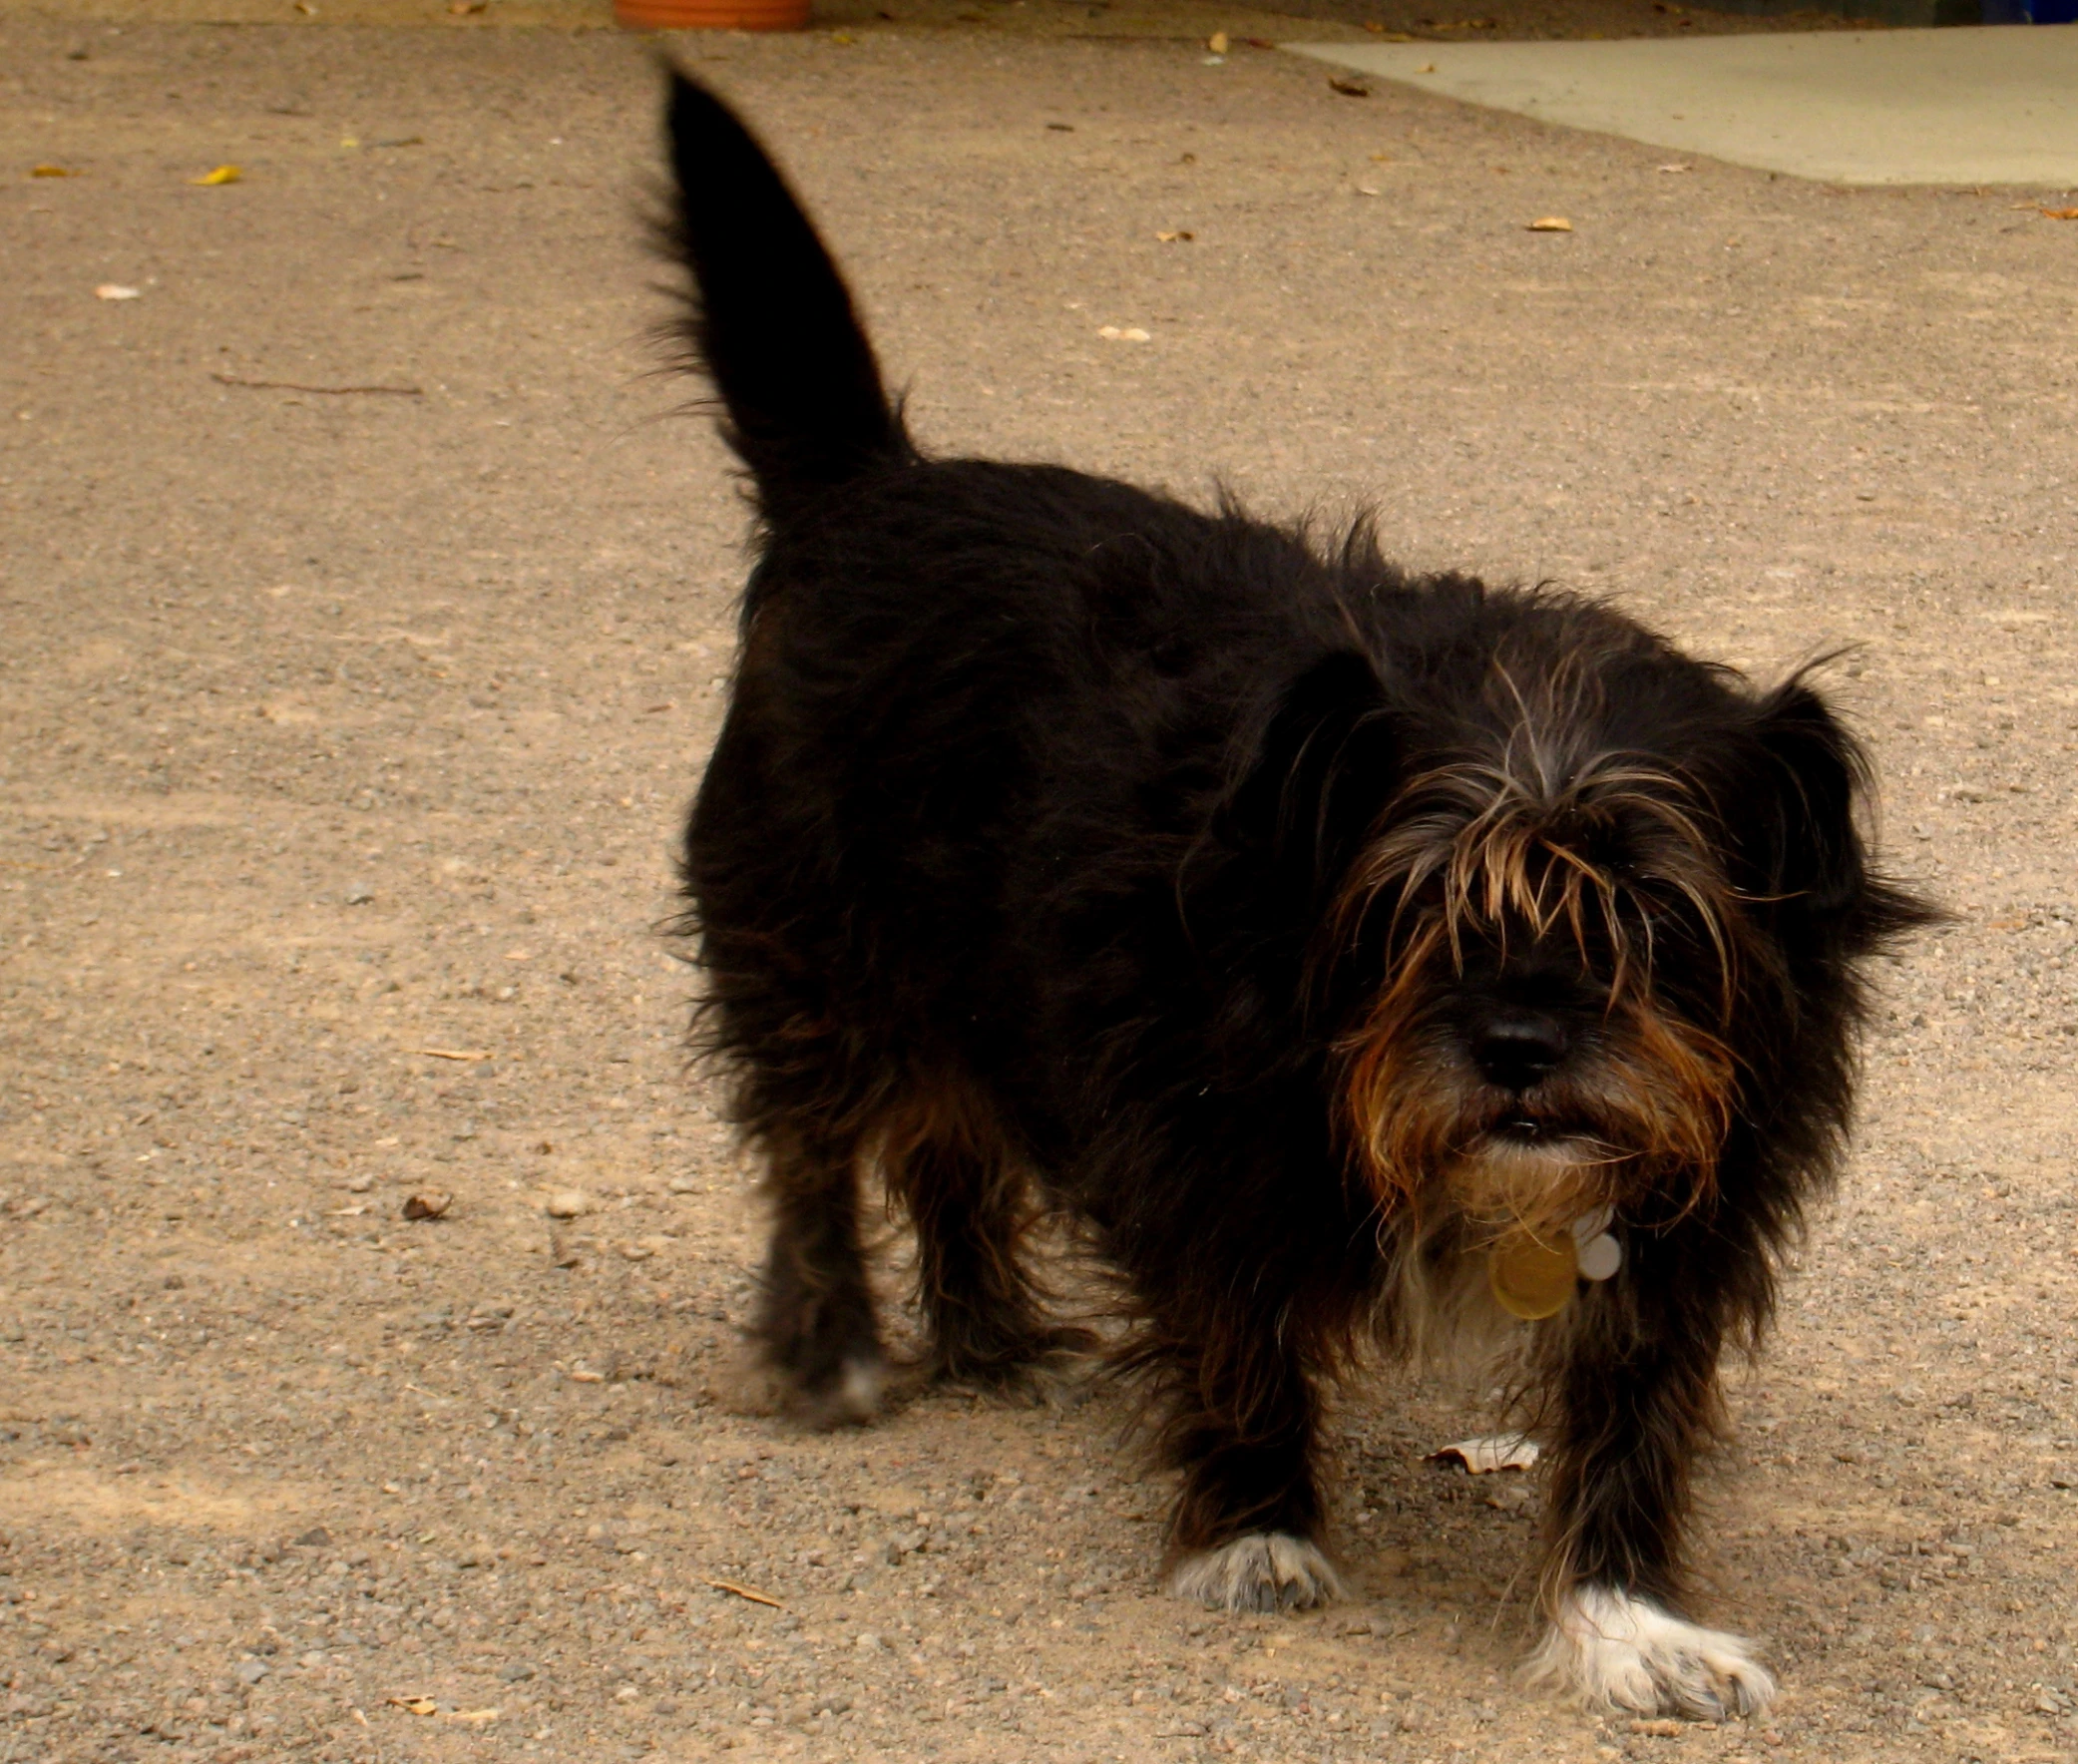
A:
1617, 1650
1257, 1572
857, 1397
751, 1385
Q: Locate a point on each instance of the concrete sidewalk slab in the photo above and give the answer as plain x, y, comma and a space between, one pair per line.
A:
1969, 106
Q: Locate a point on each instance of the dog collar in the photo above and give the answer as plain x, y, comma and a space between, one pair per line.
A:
1533, 1279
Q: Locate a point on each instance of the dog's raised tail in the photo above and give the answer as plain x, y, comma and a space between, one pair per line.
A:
768, 318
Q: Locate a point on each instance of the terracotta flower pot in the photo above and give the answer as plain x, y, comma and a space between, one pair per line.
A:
711, 15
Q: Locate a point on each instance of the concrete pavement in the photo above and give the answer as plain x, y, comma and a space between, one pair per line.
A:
1996, 105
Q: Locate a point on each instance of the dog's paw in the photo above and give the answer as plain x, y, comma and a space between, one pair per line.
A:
851, 1399
853, 1394
1617, 1651
1044, 1365
1257, 1572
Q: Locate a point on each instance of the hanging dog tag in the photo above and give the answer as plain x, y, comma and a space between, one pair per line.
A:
1531, 1279
1600, 1256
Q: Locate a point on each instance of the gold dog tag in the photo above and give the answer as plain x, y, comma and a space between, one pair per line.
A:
1531, 1279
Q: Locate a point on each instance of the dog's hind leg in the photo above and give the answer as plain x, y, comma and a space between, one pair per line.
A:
816, 1334
971, 1204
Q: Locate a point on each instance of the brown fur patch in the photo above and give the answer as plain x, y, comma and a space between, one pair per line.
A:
965, 1187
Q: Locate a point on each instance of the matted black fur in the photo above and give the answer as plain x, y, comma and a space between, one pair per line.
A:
1307, 930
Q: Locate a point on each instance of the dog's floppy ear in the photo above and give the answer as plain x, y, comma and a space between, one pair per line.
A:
1801, 826
1318, 772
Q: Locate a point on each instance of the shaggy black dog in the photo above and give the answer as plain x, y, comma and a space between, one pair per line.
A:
1363, 961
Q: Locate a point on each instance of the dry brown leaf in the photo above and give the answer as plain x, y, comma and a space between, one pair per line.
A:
1347, 88
749, 1593
477, 1716
1549, 224
222, 175
52, 171
428, 1206
452, 1053
1178, 238
2061, 214
1217, 42
1481, 1457
413, 1706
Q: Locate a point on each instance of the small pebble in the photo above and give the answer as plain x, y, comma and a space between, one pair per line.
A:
569, 1203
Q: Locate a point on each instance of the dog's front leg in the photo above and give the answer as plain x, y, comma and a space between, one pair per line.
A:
1636, 1405
1241, 1428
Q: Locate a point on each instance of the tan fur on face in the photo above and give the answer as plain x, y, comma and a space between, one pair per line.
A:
1504, 838
1507, 850
1660, 1104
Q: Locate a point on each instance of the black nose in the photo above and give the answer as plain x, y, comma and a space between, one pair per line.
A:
1514, 1049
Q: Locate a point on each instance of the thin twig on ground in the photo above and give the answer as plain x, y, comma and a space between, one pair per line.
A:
231, 379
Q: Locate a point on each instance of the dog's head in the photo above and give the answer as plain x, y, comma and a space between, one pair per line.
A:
1582, 899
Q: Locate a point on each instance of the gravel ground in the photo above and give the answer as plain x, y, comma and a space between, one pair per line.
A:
345, 736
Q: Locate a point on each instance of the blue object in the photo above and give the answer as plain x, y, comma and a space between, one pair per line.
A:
2030, 12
